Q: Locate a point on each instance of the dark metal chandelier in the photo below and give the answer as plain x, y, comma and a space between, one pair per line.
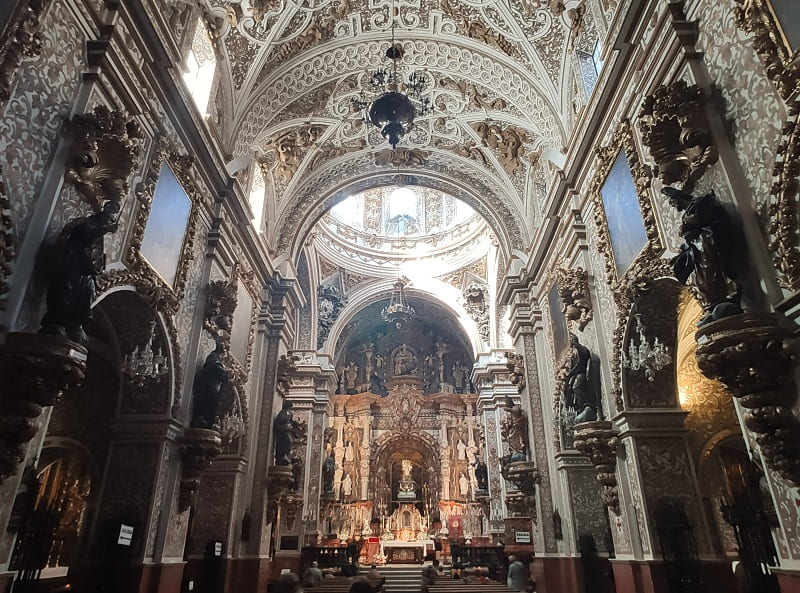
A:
399, 312
396, 101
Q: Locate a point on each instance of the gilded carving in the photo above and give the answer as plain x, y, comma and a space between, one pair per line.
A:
104, 150
781, 62
515, 363
675, 129
783, 230
26, 42
648, 265
573, 289
507, 141
403, 157
471, 94
291, 147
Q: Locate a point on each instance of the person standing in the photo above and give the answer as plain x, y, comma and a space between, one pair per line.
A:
517, 578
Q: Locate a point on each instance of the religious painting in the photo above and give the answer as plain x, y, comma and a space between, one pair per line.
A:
558, 322
242, 318
623, 215
787, 16
166, 225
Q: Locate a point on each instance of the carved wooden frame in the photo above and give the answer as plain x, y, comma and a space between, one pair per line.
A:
648, 265
181, 165
782, 64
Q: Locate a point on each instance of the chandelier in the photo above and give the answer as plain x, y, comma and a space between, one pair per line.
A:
645, 356
232, 424
143, 364
396, 100
399, 312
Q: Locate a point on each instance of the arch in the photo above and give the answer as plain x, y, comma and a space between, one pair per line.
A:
322, 191
434, 292
387, 444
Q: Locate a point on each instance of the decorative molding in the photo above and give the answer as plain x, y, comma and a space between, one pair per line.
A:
476, 302
507, 141
330, 303
7, 251
648, 265
782, 229
403, 157
780, 61
674, 127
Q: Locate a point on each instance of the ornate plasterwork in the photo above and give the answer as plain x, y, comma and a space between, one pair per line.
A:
329, 305
781, 62
26, 42
507, 140
476, 302
675, 129
648, 265
290, 148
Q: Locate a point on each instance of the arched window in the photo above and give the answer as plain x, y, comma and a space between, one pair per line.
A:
201, 64
256, 199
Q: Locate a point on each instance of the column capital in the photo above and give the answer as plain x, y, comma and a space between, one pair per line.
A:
649, 422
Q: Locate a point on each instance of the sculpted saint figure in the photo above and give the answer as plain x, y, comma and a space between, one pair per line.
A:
578, 389
284, 426
482, 475
328, 472
404, 362
514, 432
210, 383
710, 253
71, 290
462, 450
463, 485
347, 485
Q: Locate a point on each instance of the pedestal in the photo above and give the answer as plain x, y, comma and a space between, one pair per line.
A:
35, 370
598, 441
200, 446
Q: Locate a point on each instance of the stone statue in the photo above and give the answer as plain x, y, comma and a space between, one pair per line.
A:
349, 453
463, 485
513, 431
347, 485
376, 384
482, 475
579, 393
405, 363
710, 253
351, 376
210, 383
458, 375
328, 471
462, 450
71, 290
284, 427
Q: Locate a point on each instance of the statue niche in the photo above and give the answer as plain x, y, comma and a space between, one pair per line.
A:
404, 361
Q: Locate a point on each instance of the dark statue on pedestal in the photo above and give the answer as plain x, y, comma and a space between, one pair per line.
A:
579, 392
210, 384
71, 290
328, 472
710, 253
514, 432
284, 426
482, 475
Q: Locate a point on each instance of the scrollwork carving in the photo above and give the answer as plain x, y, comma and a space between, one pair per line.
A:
25, 43
103, 152
598, 441
573, 289
508, 141
675, 129
476, 296
756, 17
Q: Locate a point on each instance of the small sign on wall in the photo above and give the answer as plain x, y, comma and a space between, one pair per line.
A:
522, 537
125, 535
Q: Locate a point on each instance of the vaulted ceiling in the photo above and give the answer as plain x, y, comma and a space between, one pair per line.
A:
498, 72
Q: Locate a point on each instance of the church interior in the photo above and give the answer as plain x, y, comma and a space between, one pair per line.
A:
381, 282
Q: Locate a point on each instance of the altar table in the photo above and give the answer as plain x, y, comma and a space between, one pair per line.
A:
411, 551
